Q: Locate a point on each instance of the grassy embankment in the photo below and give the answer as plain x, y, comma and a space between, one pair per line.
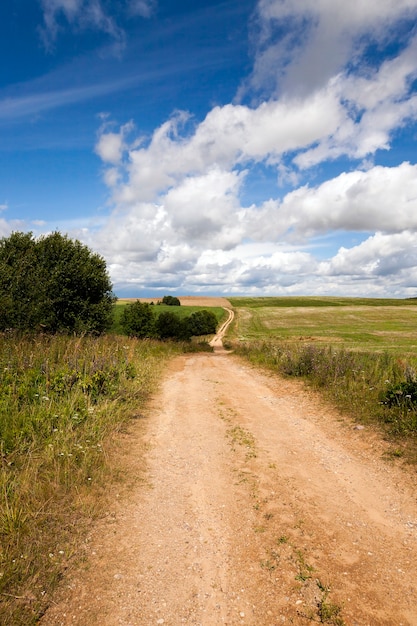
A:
63, 402
360, 353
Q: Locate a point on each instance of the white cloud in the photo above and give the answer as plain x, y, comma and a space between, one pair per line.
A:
110, 148
84, 15
199, 237
351, 116
300, 45
382, 198
79, 15
379, 256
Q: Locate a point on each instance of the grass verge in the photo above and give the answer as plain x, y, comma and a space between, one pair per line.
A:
371, 387
62, 402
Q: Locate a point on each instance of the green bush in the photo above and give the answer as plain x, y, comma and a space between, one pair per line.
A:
171, 301
202, 323
170, 326
53, 284
138, 320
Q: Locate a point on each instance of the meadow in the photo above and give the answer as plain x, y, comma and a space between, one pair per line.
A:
359, 353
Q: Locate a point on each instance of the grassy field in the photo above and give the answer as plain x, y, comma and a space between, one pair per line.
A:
354, 323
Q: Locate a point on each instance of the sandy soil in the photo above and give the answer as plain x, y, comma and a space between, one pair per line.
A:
252, 503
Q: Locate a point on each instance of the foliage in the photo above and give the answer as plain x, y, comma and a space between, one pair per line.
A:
138, 320
171, 301
170, 326
53, 284
202, 323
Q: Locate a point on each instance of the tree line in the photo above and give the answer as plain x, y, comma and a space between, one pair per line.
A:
139, 319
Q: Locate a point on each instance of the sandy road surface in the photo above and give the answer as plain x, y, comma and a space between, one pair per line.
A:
255, 499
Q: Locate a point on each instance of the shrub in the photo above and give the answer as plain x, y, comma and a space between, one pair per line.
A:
171, 301
170, 326
202, 323
53, 284
138, 320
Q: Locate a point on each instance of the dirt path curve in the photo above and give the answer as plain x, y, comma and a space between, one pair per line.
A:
257, 506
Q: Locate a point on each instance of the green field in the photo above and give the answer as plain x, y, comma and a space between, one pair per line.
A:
354, 323
181, 311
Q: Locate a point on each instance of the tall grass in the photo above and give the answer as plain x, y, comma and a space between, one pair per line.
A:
61, 401
369, 386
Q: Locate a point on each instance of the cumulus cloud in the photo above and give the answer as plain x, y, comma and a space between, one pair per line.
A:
382, 198
179, 219
353, 116
301, 45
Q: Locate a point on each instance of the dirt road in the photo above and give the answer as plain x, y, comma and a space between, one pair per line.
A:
258, 505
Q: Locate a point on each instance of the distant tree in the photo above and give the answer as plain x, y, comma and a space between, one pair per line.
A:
138, 320
202, 323
54, 283
171, 301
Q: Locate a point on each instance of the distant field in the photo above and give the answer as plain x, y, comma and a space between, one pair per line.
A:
361, 323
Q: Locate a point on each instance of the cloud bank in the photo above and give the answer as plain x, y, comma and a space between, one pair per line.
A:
177, 195
332, 86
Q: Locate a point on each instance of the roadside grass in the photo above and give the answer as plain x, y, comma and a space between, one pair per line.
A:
361, 358
63, 400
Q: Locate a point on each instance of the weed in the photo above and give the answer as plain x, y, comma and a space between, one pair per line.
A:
304, 569
268, 565
244, 438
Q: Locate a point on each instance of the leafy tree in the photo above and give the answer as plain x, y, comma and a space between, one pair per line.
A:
171, 301
138, 320
171, 326
202, 323
54, 283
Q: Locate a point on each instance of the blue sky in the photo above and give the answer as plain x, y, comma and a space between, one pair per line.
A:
239, 147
